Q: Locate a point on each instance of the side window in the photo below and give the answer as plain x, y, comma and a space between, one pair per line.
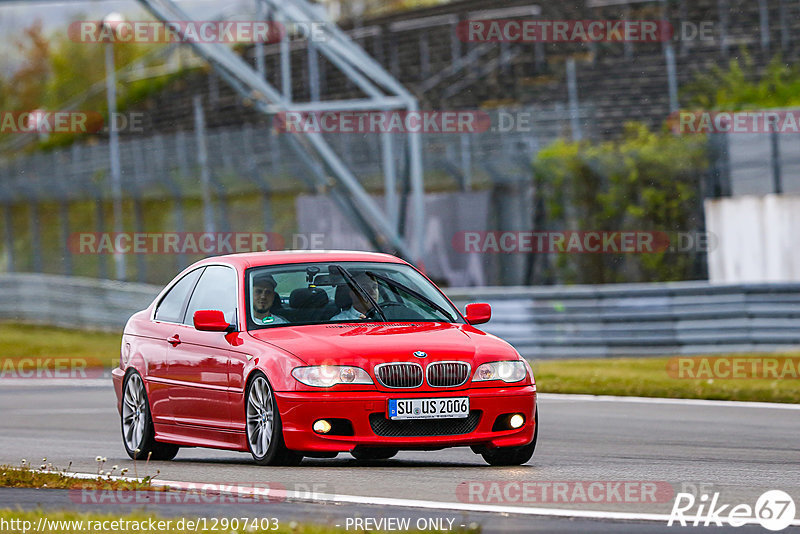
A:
216, 290
170, 308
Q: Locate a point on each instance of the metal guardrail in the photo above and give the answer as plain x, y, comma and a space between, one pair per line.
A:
72, 302
541, 322
642, 319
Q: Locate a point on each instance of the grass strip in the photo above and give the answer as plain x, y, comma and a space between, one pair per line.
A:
47, 476
643, 377
656, 377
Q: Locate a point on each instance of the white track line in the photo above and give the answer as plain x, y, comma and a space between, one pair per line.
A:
294, 496
55, 382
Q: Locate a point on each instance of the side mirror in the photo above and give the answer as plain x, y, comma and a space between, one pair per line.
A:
210, 321
478, 313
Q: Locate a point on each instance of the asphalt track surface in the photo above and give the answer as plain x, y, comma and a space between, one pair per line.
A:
740, 451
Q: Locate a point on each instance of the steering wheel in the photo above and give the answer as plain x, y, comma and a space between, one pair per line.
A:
372, 314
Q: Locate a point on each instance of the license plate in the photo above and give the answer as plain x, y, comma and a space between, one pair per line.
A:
449, 408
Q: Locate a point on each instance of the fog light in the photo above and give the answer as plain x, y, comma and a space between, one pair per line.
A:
516, 421
322, 427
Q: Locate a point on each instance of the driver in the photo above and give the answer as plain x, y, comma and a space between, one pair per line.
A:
359, 307
264, 300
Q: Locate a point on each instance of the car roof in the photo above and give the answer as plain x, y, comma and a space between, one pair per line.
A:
278, 257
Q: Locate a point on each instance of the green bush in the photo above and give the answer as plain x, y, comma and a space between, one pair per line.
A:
744, 86
644, 181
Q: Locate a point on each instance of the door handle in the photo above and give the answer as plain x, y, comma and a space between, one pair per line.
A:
174, 340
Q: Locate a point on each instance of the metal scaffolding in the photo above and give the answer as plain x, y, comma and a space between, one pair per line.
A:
383, 93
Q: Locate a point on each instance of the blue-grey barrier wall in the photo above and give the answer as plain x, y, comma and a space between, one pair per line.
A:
541, 322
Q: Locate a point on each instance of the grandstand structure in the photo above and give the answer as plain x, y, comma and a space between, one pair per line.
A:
619, 81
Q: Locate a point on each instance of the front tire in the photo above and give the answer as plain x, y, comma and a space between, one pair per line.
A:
263, 425
138, 433
505, 456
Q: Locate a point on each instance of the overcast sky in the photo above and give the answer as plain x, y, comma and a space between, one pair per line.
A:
55, 14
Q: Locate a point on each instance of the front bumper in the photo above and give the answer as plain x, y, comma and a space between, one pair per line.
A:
299, 411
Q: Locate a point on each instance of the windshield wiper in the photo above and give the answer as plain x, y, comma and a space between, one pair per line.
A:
411, 292
360, 290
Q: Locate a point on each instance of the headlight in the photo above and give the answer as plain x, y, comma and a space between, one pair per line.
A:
510, 371
325, 376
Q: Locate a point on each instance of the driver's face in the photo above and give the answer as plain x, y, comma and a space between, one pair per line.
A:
370, 286
263, 296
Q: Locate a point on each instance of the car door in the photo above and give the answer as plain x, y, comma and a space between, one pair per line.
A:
199, 361
167, 316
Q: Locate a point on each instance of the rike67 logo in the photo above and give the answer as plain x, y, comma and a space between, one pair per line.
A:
774, 510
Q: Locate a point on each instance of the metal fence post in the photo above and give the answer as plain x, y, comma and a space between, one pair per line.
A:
763, 19
36, 242
389, 177
213, 89
394, 58
63, 210
672, 77
9, 237
313, 71
466, 161
202, 161
113, 146
261, 66
683, 16
424, 56
574, 105
627, 45
100, 220
724, 15
786, 36
721, 165
777, 179
138, 215
455, 42
286, 66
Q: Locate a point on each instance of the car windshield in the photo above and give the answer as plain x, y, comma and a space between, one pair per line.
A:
343, 292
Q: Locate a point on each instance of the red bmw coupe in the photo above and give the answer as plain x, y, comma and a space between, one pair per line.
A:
309, 354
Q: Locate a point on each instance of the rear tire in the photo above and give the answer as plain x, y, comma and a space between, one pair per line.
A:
504, 456
138, 433
263, 425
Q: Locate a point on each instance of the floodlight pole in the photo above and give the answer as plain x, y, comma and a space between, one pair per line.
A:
113, 147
